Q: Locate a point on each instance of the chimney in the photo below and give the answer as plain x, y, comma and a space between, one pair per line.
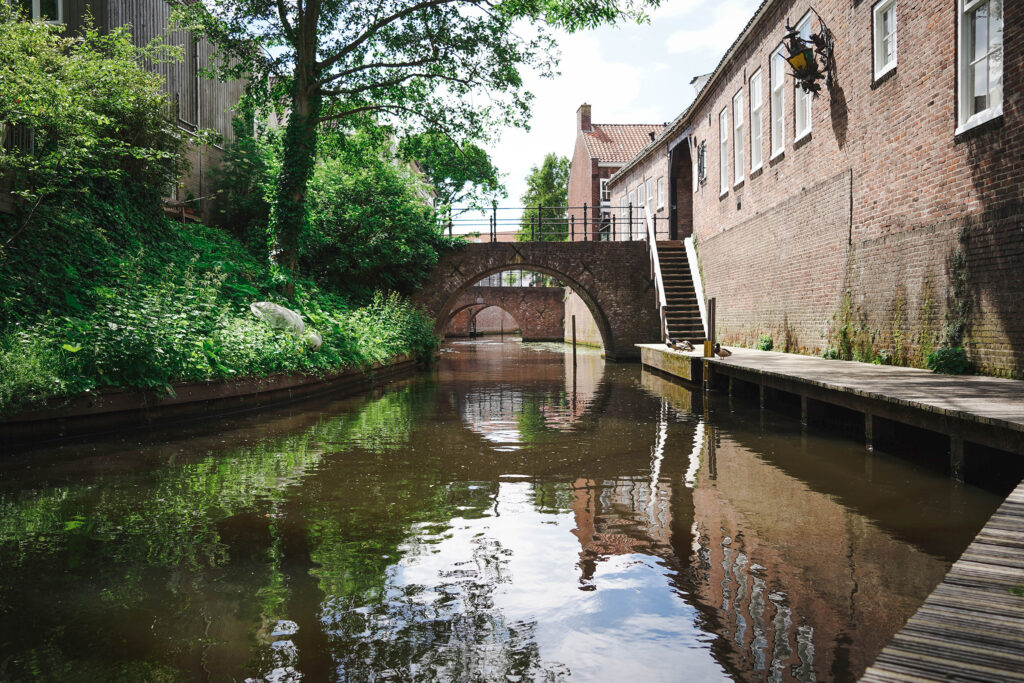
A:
651, 133
698, 83
583, 118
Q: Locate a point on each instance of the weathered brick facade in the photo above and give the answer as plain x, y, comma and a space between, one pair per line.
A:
537, 311
858, 230
613, 279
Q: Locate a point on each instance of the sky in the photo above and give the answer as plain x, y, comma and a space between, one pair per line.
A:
628, 74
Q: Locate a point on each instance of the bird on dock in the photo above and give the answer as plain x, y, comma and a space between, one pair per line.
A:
721, 352
680, 345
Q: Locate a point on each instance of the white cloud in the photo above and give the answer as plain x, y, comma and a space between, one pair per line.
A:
726, 22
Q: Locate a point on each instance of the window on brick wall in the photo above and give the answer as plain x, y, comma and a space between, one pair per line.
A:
661, 192
641, 200
884, 19
623, 208
980, 62
650, 191
48, 10
756, 105
606, 196
723, 151
778, 76
802, 119
631, 205
737, 137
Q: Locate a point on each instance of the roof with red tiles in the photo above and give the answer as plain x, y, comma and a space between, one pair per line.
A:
618, 142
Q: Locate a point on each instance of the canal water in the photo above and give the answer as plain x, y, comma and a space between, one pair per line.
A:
502, 517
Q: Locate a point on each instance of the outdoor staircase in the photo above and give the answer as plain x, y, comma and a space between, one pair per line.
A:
682, 313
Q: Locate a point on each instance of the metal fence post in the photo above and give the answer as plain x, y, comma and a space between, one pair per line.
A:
631, 221
585, 217
572, 227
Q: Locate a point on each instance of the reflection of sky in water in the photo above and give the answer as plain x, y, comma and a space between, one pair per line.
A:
630, 627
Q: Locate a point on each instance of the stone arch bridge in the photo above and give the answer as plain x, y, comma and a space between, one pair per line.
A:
612, 278
539, 311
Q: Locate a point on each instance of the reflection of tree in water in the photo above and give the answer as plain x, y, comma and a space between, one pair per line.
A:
448, 631
180, 560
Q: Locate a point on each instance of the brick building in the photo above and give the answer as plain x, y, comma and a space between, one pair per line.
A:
878, 217
601, 149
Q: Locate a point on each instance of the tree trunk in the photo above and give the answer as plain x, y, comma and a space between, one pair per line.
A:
298, 159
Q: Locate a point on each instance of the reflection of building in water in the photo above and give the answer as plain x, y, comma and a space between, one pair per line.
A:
772, 577
620, 517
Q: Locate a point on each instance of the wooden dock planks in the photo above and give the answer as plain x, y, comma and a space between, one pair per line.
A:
971, 628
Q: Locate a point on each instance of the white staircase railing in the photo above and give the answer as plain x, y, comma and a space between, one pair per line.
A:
698, 284
659, 282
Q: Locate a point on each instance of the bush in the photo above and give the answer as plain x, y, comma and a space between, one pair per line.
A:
765, 342
948, 360
97, 118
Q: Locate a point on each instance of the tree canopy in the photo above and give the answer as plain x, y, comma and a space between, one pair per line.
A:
440, 65
547, 186
462, 175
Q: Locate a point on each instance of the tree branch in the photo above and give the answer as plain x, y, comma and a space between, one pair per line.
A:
395, 81
381, 23
282, 12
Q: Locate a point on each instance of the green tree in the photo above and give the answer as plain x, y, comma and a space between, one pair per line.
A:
547, 186
452, 65
370, 223
89, 117
461, 174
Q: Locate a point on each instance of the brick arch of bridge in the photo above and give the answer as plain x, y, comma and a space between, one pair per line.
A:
612, 278
539, 311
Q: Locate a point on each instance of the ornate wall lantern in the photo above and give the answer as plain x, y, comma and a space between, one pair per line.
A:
811, 58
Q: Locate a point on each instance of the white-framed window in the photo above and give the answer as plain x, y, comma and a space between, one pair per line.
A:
756, 106
650, 190
606, 196
980, 62
737, 137
802, 118
631, 203
641, 200
778, 76
661, 192
884, 20
723, 151
623, 208
48, 10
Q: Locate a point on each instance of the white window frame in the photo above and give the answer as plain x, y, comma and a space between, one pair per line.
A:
882, 63
723, 151
967, 117
37, 8
604, 194
738, 162
641, 200
756, 122
650, 191
778, 104
624, 208
802, 100
661, 192
632, 203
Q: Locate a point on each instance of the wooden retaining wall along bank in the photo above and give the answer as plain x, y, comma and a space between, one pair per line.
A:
971, 628
134, 409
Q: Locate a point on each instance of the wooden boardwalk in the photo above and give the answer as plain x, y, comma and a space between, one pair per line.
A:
971, 628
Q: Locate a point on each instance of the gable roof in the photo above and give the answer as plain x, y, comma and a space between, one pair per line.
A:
618, 142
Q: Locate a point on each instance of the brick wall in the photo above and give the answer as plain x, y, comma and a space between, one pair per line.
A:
586, 327
537, 312
772, 246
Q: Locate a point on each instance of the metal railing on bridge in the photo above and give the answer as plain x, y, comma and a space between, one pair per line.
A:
557, 224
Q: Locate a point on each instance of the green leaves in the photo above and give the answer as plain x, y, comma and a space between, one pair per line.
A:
547, 186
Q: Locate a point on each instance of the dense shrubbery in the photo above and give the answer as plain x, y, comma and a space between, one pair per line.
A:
99, 290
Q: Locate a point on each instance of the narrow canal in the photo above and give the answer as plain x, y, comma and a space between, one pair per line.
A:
500, 518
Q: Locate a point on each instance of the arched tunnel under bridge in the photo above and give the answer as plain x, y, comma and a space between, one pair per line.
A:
538, 312
612, 278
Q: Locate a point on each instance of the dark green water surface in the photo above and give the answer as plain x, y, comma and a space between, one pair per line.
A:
494, 519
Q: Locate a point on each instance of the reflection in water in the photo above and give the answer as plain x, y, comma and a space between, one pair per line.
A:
501, 518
